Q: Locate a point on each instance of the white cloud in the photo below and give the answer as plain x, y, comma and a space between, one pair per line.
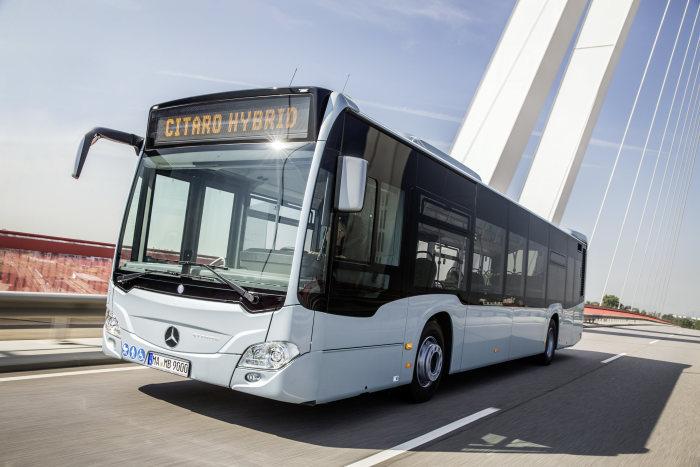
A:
440, 11
603, 143
411, 111
211, 79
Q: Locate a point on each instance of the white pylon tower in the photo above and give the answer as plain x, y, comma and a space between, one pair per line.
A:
515, 86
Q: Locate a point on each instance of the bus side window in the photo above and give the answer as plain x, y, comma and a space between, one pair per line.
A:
518, 220
571, 282
442, 248
537, 259
488, 259
556, 278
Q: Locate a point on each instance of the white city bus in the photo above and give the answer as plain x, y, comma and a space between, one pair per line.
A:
280, 243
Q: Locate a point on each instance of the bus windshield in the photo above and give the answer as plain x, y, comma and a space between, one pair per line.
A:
235, 208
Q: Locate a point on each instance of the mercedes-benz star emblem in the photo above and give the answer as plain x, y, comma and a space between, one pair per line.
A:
180, 288
172, 336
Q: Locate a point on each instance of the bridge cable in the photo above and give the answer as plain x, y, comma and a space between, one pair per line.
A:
676, 216
662, 305
669, 203
646, 146
675, 156
660, 151
666, 167
629, 121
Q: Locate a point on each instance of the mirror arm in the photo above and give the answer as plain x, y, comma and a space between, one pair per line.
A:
94, 135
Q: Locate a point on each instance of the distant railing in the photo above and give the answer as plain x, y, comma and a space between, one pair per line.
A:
599, 314
36, 315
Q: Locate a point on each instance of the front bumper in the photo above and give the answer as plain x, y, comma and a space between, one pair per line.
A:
295, 383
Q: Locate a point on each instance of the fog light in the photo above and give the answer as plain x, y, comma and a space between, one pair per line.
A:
253, 377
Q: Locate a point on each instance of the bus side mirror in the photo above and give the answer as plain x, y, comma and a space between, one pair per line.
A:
350, 184
94, 135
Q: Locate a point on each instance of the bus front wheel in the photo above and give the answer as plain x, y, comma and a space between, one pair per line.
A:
430, 363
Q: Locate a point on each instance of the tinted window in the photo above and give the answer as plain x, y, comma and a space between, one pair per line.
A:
390, 208
488, 259
353, 239
441, 253
582, 273
537, 259
572, 282
366, 268
518, 221
314, 261
445, 182
556, 279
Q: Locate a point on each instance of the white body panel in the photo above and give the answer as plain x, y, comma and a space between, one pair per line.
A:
205, 326
347, 355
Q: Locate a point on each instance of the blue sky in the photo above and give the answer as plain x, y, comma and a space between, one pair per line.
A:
415, 65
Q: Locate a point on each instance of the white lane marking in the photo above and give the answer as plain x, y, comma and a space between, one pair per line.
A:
608, 360
654, 342
70, 373
415, 442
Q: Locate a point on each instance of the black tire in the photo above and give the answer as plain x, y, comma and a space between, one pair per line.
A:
429, 365
550, 344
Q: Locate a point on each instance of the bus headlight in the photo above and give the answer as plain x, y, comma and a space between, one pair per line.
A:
269, 355
112, 324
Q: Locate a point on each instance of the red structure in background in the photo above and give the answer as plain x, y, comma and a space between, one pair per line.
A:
594, 310
42, 263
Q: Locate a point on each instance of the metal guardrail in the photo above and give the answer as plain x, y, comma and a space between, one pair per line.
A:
606, 320
11, 302
38, 315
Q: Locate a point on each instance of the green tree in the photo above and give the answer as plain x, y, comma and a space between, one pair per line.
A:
611, 301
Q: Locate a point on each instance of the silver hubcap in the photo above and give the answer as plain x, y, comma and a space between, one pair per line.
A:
429, 362
550, 343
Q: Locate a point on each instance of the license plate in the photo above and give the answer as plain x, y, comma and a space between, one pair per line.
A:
169, 364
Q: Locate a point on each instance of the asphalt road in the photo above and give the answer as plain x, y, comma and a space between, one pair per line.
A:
641, 408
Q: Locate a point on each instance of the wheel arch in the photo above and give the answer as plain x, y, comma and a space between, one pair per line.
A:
555, 318
444, 320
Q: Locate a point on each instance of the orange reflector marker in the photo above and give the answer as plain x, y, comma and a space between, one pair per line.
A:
408, 345
408, 364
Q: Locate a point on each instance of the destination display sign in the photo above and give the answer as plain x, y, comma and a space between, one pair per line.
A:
269, 117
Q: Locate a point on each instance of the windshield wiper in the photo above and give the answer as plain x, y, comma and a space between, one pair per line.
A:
125, 277
248, 295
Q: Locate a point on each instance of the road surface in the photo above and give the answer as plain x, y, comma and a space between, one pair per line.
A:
642, 408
